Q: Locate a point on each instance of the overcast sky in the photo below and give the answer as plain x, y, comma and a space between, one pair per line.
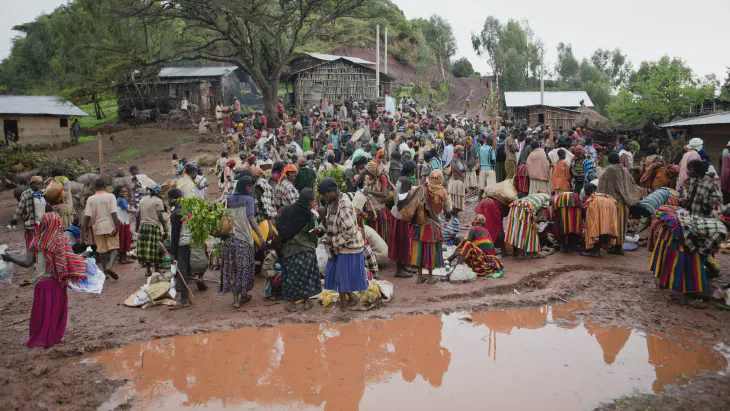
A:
644, 29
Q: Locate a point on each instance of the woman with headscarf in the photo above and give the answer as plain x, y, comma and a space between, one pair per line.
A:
298, 259
693, 148
478, 252
285, 193
522, 220
649, 167
345, 272
426, 251
399, 238
238, 254
376, 187
150, 229
65, 208
538, 169
50, 250
456, 186
617, 182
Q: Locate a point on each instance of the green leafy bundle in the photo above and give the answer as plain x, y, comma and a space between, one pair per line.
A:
334, 173
202, 218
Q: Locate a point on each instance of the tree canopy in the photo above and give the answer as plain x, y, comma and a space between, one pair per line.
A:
462, 68
659, 91
511, 50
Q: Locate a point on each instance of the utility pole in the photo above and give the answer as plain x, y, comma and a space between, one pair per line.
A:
542, 87
386, 51
377, 61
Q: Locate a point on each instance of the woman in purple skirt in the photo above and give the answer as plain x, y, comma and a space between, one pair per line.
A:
239, 262
345, 272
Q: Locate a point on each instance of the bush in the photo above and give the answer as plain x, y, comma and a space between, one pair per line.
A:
334, 173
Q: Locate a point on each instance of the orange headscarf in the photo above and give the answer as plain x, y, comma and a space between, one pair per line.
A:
288, 169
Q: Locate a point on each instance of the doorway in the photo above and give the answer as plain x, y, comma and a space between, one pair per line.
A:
11, 130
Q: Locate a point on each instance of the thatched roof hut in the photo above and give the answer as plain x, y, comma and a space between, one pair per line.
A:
592, 120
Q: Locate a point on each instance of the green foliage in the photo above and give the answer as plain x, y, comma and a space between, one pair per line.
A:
19, 154
87, 139
462, 68
725, 89
129, 154
202, 218
659, 91
438, 34
567, 65
511, 51
614, 65
334, 173
109, 107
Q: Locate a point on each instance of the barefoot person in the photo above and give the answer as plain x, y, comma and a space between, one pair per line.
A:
151, 229
399, 239
601, 221
101, 222
50, 250
299, 260
239, 263
345, 272
179, 245
426, 251
522, 219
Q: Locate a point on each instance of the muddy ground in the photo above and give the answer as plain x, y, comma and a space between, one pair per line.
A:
620, 291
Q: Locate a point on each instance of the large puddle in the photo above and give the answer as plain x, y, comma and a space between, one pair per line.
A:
538, 358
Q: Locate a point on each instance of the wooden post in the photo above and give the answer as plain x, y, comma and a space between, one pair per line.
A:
101, 154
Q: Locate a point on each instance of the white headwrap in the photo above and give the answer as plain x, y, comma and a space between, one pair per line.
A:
695, 144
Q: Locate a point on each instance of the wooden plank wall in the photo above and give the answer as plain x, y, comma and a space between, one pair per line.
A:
339, 80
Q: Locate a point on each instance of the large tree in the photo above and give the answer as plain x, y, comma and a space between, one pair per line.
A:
259, 36
614, 65
659, 91
567, 65
510, 50
439, 35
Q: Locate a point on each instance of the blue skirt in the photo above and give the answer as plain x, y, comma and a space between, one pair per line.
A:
345, 273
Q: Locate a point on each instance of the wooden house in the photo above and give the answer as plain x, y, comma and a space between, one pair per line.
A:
202, 86
713, 129
337, 79
558, 105
556, 117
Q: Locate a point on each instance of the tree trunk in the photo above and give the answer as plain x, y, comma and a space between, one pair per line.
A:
139, 92
270, 90
441, 64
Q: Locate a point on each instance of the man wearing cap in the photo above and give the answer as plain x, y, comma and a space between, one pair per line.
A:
31, 207
101, 221
693, 148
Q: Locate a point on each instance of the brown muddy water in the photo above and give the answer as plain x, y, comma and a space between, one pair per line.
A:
537, 358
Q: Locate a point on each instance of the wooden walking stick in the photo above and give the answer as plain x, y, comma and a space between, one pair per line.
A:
174, 263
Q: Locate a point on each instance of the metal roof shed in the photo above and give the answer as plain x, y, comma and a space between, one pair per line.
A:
38, 106
562, 99
713, 129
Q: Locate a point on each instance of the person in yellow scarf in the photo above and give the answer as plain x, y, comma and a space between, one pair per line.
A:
426, 251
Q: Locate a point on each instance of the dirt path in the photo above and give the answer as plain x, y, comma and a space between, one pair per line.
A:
462, 88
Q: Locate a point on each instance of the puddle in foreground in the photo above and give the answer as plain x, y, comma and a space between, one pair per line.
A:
537, 358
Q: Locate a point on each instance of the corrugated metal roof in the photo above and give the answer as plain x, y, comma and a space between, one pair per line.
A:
38, 105
196, 71
719, 118
330, 57
552, 98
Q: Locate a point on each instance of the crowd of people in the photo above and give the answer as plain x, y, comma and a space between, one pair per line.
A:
342, 174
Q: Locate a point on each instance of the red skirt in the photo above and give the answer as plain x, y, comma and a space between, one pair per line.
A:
399, 241
492, 210
125, 238
48, 315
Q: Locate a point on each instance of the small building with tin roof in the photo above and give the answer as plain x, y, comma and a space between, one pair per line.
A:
37, 119
713, 129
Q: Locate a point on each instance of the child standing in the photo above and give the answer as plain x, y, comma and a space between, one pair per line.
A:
124, 217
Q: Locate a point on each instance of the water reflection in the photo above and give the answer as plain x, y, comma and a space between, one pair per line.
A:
406, 363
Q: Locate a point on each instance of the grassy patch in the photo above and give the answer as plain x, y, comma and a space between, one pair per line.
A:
183, 138
130, 154
87, 139
110, 110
